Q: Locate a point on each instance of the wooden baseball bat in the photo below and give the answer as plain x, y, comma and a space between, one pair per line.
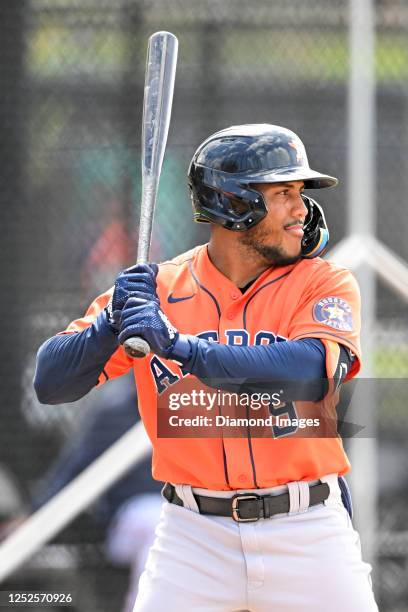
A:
158, 96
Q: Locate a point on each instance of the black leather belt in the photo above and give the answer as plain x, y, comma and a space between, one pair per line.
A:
247, 507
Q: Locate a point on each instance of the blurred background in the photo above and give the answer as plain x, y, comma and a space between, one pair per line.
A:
71, 76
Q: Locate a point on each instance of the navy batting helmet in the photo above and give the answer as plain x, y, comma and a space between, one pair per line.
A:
227, 165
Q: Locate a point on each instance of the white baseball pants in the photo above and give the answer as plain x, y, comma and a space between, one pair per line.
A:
306, 561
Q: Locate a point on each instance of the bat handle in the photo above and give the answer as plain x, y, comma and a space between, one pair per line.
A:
136, 347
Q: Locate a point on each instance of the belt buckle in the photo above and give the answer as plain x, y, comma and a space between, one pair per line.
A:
235, 508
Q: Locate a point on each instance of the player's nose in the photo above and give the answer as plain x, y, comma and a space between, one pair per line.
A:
299, 208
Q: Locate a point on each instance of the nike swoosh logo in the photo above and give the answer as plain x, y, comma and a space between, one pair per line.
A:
173, 300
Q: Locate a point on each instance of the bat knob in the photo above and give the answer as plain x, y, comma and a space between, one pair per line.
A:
136, 347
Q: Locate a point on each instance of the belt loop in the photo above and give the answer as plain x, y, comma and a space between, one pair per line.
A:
294, 499
185, 493
304, 496
334, 498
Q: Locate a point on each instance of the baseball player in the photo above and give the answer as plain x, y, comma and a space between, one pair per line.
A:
250, 523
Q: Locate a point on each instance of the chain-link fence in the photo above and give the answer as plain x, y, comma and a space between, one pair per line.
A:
72, 75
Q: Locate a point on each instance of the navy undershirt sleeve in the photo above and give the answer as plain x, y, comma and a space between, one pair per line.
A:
69, 365
297, 362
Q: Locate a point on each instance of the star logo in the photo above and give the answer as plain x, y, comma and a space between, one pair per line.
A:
334, 312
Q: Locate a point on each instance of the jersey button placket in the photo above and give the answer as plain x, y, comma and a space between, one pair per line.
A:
232, 310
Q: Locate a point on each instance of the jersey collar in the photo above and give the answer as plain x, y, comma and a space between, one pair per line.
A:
213, 280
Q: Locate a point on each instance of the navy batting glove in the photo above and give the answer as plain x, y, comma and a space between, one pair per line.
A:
144, 318
141, 279
137, 279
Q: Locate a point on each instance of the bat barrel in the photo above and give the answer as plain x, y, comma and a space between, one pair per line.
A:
158, 97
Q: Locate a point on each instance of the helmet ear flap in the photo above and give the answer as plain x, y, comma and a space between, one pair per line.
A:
316, 232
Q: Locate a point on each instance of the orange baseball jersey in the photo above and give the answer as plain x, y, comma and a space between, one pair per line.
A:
312, 298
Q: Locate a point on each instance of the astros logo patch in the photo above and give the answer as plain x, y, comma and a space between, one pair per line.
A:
334, 312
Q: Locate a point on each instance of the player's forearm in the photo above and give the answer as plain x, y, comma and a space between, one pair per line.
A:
69, 365
301, 361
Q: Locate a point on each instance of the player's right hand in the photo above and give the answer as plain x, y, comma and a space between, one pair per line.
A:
139, 279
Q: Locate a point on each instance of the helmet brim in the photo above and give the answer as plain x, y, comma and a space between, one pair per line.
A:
311, 178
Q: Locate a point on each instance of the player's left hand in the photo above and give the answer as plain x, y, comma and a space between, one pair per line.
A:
141, 279
144, 318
